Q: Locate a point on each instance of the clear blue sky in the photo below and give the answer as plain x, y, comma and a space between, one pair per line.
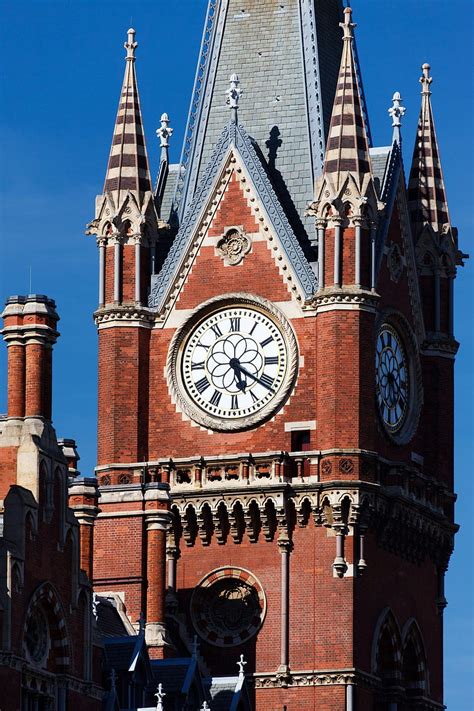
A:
61, 73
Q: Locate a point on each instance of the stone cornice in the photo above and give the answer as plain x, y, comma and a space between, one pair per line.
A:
345, 298
130, 315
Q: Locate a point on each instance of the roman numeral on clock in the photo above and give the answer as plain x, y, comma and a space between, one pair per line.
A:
235, 324
266, 381
234, 404
271, 360
197, 366
202, 385
216, 398
216, 330
266, 341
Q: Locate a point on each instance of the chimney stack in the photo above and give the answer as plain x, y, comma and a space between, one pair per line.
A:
30, 333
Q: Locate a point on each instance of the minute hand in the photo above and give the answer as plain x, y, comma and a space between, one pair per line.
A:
254, 377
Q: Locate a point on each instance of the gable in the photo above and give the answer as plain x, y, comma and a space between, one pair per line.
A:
234, 158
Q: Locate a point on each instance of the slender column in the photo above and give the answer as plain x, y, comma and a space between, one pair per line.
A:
83, 499
153, 257
102, 244
137, 270
117, 252
358, 229
350, 697
156, 552
361, 565
437, 304
373, 232
451, 306
16, 379
320, 224
337, 254
284, 545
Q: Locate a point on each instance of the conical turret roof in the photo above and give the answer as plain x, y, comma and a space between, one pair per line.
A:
128, 168
427, 200
347, 149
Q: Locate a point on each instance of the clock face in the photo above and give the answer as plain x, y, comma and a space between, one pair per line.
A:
392, 379
234, 366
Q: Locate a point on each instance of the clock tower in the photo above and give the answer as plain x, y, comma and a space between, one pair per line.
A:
276, 357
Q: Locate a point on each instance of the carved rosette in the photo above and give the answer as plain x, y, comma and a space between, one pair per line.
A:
228, 607
233, 246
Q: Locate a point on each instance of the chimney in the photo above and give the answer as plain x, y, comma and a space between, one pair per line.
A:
83, 500
30, 333
69, 449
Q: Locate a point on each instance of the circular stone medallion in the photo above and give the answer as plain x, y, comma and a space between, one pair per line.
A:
228, 607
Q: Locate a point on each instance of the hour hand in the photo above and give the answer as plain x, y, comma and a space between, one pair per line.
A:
241, 384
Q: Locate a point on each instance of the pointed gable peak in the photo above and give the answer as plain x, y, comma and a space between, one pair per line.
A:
128, 169
348, 146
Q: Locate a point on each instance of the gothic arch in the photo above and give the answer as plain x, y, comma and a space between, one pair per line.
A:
386, 649
45, 601
414, 666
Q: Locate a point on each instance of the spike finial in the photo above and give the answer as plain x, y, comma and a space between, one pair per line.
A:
165, 131
241, 664
348, 25
397, 111
426, 80
160, 695
233, 93
130, 45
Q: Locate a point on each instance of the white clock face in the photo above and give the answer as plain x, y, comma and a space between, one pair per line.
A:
392, 379
235, 366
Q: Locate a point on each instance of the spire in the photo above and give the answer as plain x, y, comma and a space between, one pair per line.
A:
426, 192
347, 146
128, 168
164, 133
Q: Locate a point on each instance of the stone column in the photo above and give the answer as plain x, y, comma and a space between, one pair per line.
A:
337, 252
101, 243
83, 500
157, 522
138, 286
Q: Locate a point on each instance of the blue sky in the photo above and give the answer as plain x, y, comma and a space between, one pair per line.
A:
62, 68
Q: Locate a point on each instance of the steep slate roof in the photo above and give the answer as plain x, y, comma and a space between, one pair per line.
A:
427, 200
128, 168
348, 145
122, 653
286, 56
234, 137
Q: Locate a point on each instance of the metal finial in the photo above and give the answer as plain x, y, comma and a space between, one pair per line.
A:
425, 80
130, 45
195, 646
160, 695
347, 25
241, 664
233, 93
141, 623
165, 131
397, 111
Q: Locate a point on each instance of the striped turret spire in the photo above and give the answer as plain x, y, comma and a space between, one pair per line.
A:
426, 192
128, 168
347, 146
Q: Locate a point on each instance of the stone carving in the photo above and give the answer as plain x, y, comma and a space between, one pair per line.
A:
326, 467
346, 466
395, 262
233, 246
228, 607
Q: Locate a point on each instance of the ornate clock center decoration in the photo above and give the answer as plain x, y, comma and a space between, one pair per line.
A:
234, 363
228, 607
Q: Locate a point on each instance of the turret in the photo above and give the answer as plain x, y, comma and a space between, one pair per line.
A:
436, 239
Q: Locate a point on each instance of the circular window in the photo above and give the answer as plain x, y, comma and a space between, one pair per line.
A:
37, 636
228, 607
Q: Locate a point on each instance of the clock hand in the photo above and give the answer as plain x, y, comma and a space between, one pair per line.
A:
254, 377
241, 384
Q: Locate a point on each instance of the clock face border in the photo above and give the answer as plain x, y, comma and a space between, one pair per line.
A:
395, 322
175, 378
